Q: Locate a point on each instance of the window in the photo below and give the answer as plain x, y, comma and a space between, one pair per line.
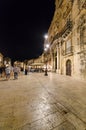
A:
68, 48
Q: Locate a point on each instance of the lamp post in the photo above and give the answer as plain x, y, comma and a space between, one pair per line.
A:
46, 74
46, 47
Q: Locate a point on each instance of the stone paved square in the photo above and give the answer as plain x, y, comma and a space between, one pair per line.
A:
37, 102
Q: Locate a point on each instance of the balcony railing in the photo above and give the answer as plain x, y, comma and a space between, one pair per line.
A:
67, 51
65, 31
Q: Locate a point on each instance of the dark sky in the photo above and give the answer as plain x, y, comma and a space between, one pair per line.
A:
23, 24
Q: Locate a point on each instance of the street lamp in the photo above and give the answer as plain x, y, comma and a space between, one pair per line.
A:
46, 47
46, 36
46, 74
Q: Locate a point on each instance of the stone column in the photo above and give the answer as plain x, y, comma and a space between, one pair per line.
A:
52, 60
58, 59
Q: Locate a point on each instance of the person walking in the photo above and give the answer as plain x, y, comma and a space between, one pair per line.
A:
16, 71
0, 71
7, 72
26, 71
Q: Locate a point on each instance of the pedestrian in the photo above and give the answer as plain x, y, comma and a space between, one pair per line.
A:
16, 71
7, 72
0, 71
26, 71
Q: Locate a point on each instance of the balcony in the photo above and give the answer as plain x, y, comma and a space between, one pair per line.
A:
67, 51
65, 31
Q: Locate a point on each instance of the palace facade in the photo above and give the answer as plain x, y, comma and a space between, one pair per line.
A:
67, 38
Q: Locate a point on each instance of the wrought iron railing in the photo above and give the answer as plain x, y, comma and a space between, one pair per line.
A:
65, 31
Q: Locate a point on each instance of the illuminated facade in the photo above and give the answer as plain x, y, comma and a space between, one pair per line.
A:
1, 60
7, 61
67, 38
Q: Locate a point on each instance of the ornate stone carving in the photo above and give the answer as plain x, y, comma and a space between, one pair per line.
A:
58, 13
65, 31
82, 28
83, 63
82, 4
67, 9
60, 2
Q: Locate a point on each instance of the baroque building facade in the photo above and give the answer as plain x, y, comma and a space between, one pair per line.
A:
67, 38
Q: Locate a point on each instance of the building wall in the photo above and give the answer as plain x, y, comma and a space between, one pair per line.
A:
1, 60
67, 37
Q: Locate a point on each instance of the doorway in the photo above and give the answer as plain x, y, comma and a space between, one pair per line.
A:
68, 67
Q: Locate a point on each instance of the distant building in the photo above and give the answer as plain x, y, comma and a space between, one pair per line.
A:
19, 64
36, 64
7, 61
1, 60
67, 38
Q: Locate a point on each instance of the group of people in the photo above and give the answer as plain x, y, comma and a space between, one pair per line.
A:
8, 70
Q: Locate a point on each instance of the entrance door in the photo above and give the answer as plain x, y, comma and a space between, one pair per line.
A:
68, 67
55, 61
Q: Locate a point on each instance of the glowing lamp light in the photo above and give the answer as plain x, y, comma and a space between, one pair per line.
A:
45, 49
47, 45
46, 36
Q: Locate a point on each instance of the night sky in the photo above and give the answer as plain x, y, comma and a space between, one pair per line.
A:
23, 24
